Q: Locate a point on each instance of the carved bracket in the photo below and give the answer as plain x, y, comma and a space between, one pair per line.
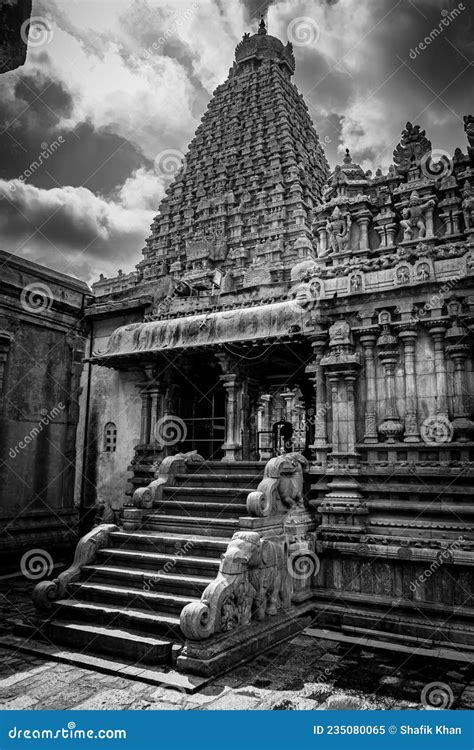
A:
252, 583
46, 592
281, 488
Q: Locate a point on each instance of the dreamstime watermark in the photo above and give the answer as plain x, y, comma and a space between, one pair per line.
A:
168, 566
47, 150
36, 298
170, 31
71, 732
303, 31
437, 695
170, 430
36, 31
446, 555
436, 430
447, 17
303, 564
47, 418
436, 165
36, 563
169, 162
435, 301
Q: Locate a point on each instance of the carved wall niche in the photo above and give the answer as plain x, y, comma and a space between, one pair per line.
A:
423, 270
402, 274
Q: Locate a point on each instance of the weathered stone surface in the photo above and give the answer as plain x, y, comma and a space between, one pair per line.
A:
14, 22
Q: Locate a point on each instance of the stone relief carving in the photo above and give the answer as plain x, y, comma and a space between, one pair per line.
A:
414, 217
338, 229
468, 206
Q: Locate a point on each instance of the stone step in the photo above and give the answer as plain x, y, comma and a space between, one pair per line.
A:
201, 546
228, 467
191, 525
159, 562
208, 494
154, 599
179, 584
131, 645
218, 480
199, 509
103, 614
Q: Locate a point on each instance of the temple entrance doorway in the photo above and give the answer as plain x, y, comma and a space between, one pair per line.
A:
199, 401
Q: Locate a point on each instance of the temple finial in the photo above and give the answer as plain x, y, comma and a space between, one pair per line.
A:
348, 158
262, 27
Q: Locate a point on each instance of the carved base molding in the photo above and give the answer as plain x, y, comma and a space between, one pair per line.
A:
220, 653
434, 624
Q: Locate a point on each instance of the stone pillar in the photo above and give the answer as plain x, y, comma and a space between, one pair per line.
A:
458, 351
351, 425
145, 416
412, 434
266, 440
232, 446
288, 397
335, 405
155, 410
363, 222
437, 333
390, 427
320, 445
368, 339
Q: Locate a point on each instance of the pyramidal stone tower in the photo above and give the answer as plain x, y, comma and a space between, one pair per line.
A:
250, 179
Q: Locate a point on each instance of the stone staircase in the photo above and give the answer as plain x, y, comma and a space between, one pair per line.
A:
128, 602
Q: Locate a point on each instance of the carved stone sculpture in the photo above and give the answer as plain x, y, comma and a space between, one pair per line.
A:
252, 583
468, 206
414, 222
338, 228
46, 592
281, 487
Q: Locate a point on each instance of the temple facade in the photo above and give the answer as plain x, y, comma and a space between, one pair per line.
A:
285, 380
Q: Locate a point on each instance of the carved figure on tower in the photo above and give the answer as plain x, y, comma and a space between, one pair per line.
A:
338, 228
414, 222
468, 206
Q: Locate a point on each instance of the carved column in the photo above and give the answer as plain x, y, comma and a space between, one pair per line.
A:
155, 410
265, 442
363, 222
232, 446
390, 427
412, 434
145, 415
458, 349
437, 333
351, 426
368, 339
320, 445
334, 387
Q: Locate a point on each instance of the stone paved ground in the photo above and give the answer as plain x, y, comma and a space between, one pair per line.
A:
304, 673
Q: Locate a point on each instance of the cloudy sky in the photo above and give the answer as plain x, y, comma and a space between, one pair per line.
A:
110, 85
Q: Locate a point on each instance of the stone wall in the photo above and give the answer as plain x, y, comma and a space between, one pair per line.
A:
42, 340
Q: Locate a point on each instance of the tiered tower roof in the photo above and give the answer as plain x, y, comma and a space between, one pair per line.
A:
250, 179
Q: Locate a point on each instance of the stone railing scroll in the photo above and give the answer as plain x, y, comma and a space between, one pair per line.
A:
252, 583
145, 497
47, 592
281, 488
255, 578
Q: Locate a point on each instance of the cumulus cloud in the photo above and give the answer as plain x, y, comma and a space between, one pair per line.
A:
76, 231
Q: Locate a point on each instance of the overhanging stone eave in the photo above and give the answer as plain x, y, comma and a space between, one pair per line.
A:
252, 325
